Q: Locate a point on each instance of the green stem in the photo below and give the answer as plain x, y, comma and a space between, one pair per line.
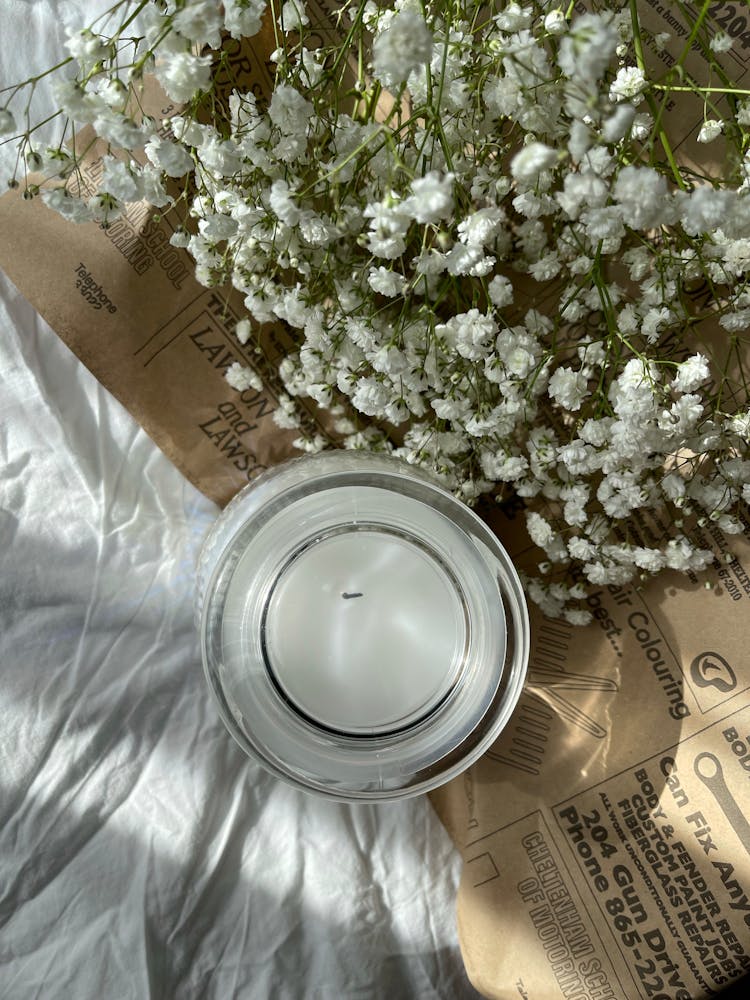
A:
658, 128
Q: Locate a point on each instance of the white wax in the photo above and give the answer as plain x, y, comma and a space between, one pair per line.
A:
365, 631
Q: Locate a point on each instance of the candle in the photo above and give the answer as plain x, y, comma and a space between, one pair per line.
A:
363, 632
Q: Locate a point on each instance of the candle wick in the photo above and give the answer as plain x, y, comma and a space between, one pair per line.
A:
348, 596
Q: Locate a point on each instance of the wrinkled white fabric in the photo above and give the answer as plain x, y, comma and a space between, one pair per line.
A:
141, 854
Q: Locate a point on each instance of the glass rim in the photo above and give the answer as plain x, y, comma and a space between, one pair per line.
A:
427, 752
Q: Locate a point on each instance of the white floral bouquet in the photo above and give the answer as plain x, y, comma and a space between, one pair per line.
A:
472, 220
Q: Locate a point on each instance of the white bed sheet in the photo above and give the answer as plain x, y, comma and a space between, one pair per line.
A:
141, 854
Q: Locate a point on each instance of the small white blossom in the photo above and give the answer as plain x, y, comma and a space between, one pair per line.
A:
501, 291
710, 130
587, 47
555, 22
540, 531
182, 74
531, 160
405, 45
691, 373
118, 129
619, 123
386, 282
508, 151
7, 122
87, 49
628, 85
289, 110
119, 180
200, 21
513, 17
568, 388
242, 331
168, 156
243, 18
641, 193
241, 377
431, 199
470, 333
293, 13
721, 42
70, 208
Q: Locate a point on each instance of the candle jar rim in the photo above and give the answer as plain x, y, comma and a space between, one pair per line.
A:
295, 504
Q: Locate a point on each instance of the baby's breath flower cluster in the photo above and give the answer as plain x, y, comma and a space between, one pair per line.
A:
470, 216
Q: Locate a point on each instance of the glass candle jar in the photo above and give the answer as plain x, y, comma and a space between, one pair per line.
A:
364, 632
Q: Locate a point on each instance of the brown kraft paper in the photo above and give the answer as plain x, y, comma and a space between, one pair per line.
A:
607, 853
605, 835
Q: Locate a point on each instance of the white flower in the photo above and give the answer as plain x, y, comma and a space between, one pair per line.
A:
104, 208
470, 333
88, 49
370, 397
577, 616
386, 282
118, 129
479, 228
187, 131
241, 377
405, 45
168, 156
690, 373
682, 416
580, 548
390, 361
653, 322
619, 123
290, 112
387, 229
705, 209
739, 424
7, 122
681, 555
200, 21
502, 467
513, 17
710, 130
568, 388
179, 238
601, 574
70, 208
282, 203
737, 256
555, 22
540, 531
583, 190
642, 194
546, 267
151, 187
502, 95
293, 14
628, 85
220, 156
721, 42
183, 74
587, 47
500, 291
533, 158
242, 331
243, 18
118, 180
431, 199
651, 560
